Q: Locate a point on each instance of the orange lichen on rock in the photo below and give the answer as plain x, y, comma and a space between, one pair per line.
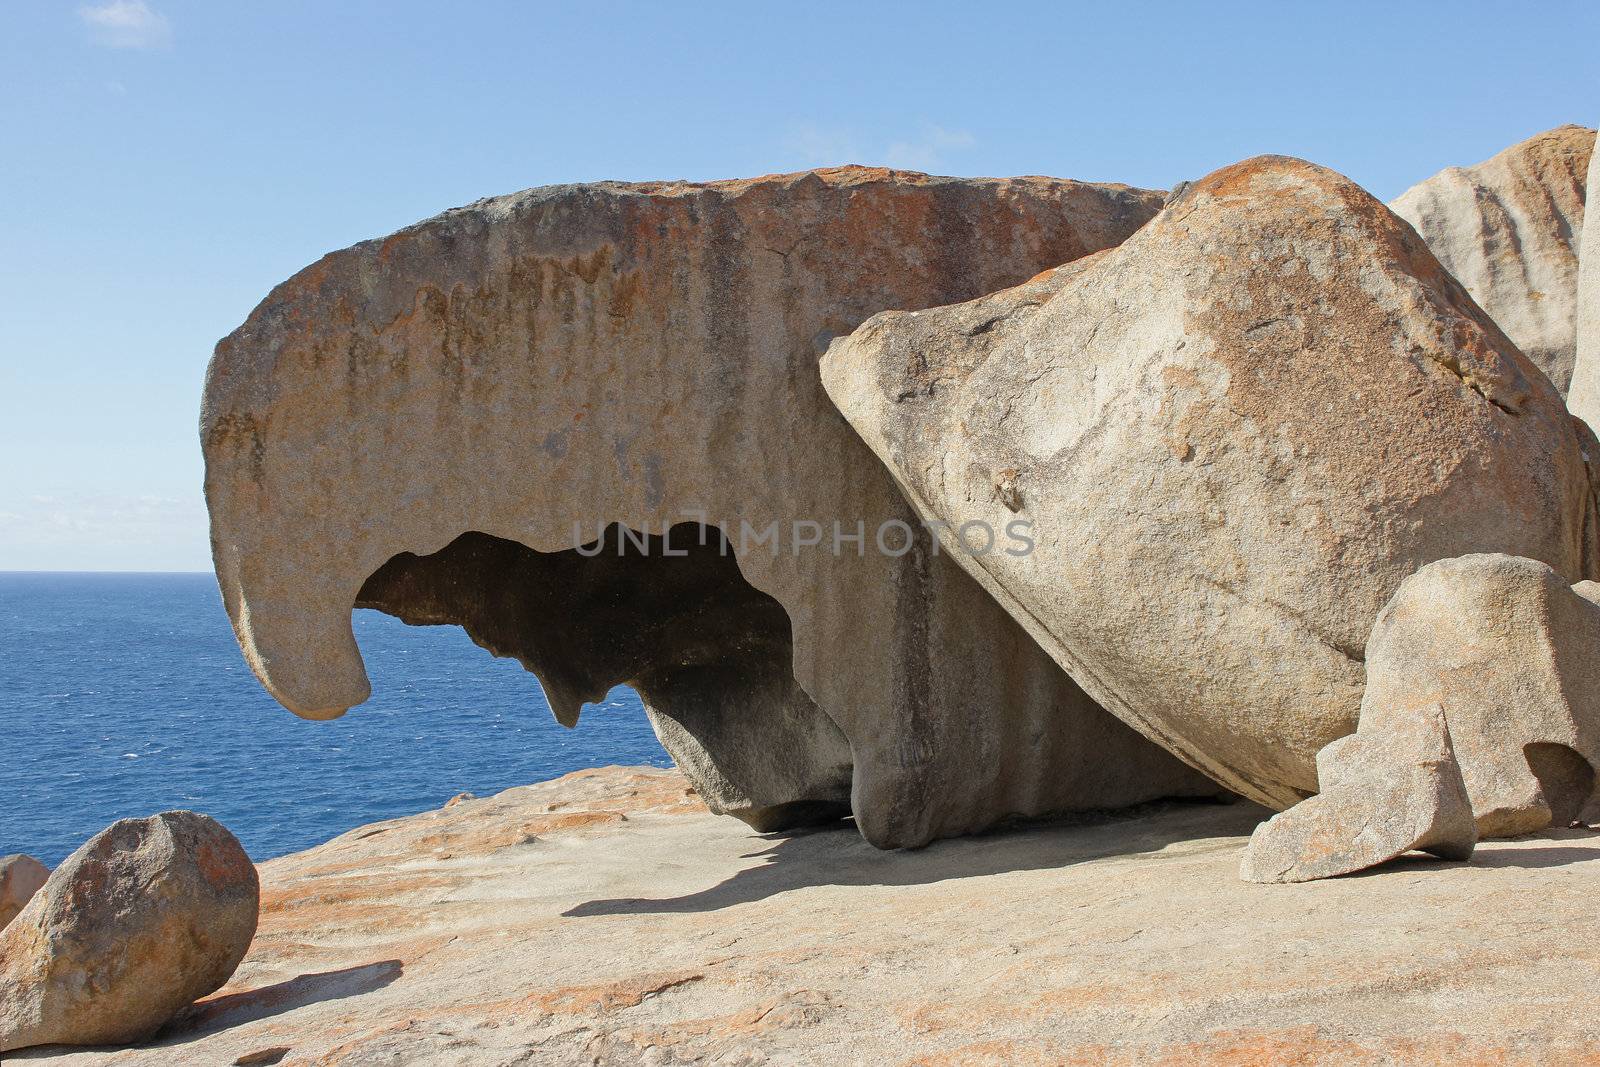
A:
1107, 941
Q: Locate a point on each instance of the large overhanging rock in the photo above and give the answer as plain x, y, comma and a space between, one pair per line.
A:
462, 422
1236, 434
1584, 397
1508, 229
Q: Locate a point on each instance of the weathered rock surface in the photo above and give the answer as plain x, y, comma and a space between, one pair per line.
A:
437, 423
1508, 648
1390, 787
607, 918
1508, 229
1481, 717
20, 879
1584, 397
1236, 434
147, 917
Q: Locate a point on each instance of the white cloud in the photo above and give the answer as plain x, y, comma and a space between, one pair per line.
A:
814, 145
927, 152
126, 24
93, 531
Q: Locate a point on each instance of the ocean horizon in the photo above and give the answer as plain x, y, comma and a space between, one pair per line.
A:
123, 693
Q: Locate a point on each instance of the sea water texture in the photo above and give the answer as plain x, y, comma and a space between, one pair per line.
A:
122, 695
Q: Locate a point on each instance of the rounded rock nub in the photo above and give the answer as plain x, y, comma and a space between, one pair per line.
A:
20, 878
144, 919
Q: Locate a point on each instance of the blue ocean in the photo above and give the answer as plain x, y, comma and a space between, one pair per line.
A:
124, 695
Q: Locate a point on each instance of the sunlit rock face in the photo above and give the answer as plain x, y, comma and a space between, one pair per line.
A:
1509, 229
1584, 397
1481, 719
606, 918
436, 423
1236, 434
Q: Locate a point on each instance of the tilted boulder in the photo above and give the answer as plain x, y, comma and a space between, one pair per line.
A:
147, 917
1508, 229
1584, 397
1235, 434
20, 879
467, 421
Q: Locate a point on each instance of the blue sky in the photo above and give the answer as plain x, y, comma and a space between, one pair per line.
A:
165, 163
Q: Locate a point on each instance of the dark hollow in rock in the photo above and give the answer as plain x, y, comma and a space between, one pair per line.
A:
1565, 779
672, 616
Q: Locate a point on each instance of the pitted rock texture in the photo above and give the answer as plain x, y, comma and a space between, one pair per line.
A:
20, 878
1509, 229
1584, 397
606, 918
1236, 434
535, 369
143, 920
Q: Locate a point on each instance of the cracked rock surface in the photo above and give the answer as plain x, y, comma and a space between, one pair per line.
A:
1236, 434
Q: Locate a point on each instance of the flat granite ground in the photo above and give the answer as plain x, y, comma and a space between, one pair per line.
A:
606, 917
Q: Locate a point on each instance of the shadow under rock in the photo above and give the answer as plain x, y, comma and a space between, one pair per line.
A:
1485, 857
838, 855
236, 1009
1539, 858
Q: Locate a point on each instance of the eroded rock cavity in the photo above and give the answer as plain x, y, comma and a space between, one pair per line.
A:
670, 615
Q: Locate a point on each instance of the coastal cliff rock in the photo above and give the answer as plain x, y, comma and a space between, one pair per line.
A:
1508, 229
20, 879
1235, 434
147, 917
607, 918
584, 423
1584, 398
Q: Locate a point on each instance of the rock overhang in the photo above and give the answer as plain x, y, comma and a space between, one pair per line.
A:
580, 356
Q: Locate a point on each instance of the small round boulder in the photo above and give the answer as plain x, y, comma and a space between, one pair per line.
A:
144, 919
